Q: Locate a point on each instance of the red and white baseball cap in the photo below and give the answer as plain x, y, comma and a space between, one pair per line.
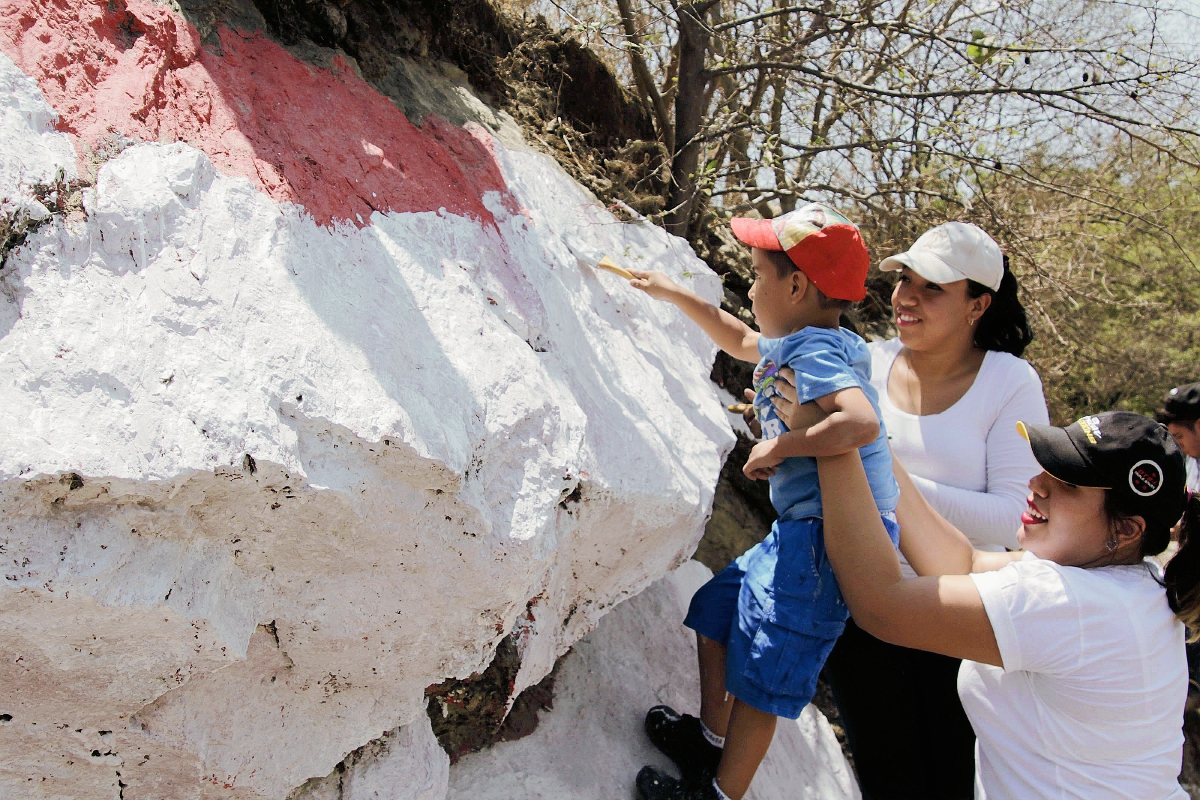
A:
823, 244
953, 251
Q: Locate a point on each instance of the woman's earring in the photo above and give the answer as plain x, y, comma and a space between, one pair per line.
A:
1111, 545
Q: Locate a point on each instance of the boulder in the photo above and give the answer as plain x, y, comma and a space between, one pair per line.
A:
306, 410
591, 745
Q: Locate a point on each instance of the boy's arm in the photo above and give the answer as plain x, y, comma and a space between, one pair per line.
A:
728, 332
850, 423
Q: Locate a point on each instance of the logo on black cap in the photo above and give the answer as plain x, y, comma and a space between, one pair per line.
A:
1145, 478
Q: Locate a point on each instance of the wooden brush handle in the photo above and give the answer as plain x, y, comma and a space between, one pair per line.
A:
608, 264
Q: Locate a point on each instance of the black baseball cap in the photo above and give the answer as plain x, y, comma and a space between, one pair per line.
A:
1181, 404
1123, 452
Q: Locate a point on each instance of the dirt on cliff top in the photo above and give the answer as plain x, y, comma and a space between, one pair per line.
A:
562, 95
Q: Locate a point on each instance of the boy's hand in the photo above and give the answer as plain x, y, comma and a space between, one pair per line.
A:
762, 461
653, 283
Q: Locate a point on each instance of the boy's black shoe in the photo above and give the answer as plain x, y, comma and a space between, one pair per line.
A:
680, 738
653, 784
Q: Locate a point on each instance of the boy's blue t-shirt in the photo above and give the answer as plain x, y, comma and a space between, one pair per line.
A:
826, 360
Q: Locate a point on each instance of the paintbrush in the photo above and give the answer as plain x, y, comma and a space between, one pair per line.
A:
608, 264
588, 255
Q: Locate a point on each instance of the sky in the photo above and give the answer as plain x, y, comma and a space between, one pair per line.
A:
1188, 20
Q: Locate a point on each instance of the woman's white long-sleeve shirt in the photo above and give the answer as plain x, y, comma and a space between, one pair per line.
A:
969, 461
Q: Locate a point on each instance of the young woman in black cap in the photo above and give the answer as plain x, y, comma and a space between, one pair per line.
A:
1074, 674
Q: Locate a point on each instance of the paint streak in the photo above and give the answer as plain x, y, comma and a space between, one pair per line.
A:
324, 139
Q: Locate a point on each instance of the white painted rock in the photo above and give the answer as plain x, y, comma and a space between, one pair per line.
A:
33, 152
591, 745
263, 481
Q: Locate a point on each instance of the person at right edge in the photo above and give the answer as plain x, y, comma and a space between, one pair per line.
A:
1073, 674
951, 388
1180, 412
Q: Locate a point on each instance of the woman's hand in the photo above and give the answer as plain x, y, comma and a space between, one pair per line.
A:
746, 409
794, 415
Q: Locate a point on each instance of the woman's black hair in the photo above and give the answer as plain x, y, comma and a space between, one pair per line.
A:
1004, 326
1181, 578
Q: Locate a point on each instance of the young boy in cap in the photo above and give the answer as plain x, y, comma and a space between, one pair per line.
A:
767, 622
1180, 413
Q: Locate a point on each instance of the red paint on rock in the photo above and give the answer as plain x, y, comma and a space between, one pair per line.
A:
324, 139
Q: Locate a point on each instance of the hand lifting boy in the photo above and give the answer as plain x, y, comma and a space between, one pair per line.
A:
766, 623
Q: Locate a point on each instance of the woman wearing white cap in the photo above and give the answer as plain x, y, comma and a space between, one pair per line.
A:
951, 387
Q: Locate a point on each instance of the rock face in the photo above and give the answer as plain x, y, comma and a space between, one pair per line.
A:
304, 411
591, 745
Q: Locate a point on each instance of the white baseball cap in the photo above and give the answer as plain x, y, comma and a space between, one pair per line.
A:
953, 251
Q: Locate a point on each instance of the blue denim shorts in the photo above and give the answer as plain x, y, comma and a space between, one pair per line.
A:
778, 611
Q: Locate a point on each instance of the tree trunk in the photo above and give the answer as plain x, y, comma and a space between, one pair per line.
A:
690, 109
651, 99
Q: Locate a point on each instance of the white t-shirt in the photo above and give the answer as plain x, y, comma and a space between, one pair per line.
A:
969, 461
1089, 703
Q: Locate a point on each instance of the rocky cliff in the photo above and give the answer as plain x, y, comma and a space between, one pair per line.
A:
310, 400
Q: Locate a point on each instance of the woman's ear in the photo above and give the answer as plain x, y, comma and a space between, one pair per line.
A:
1130, 531
979, 305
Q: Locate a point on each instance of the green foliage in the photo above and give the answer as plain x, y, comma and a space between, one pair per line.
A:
1114, 297
981, 48
1107, 257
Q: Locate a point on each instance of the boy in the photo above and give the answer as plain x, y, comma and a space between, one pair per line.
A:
765, 624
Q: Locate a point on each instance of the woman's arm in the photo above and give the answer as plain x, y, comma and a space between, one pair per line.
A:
985, 517
939, 614
940, 548
991, 517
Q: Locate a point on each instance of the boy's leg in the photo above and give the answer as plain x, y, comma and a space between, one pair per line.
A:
682, 737
749, 735
790, 615
715, 702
